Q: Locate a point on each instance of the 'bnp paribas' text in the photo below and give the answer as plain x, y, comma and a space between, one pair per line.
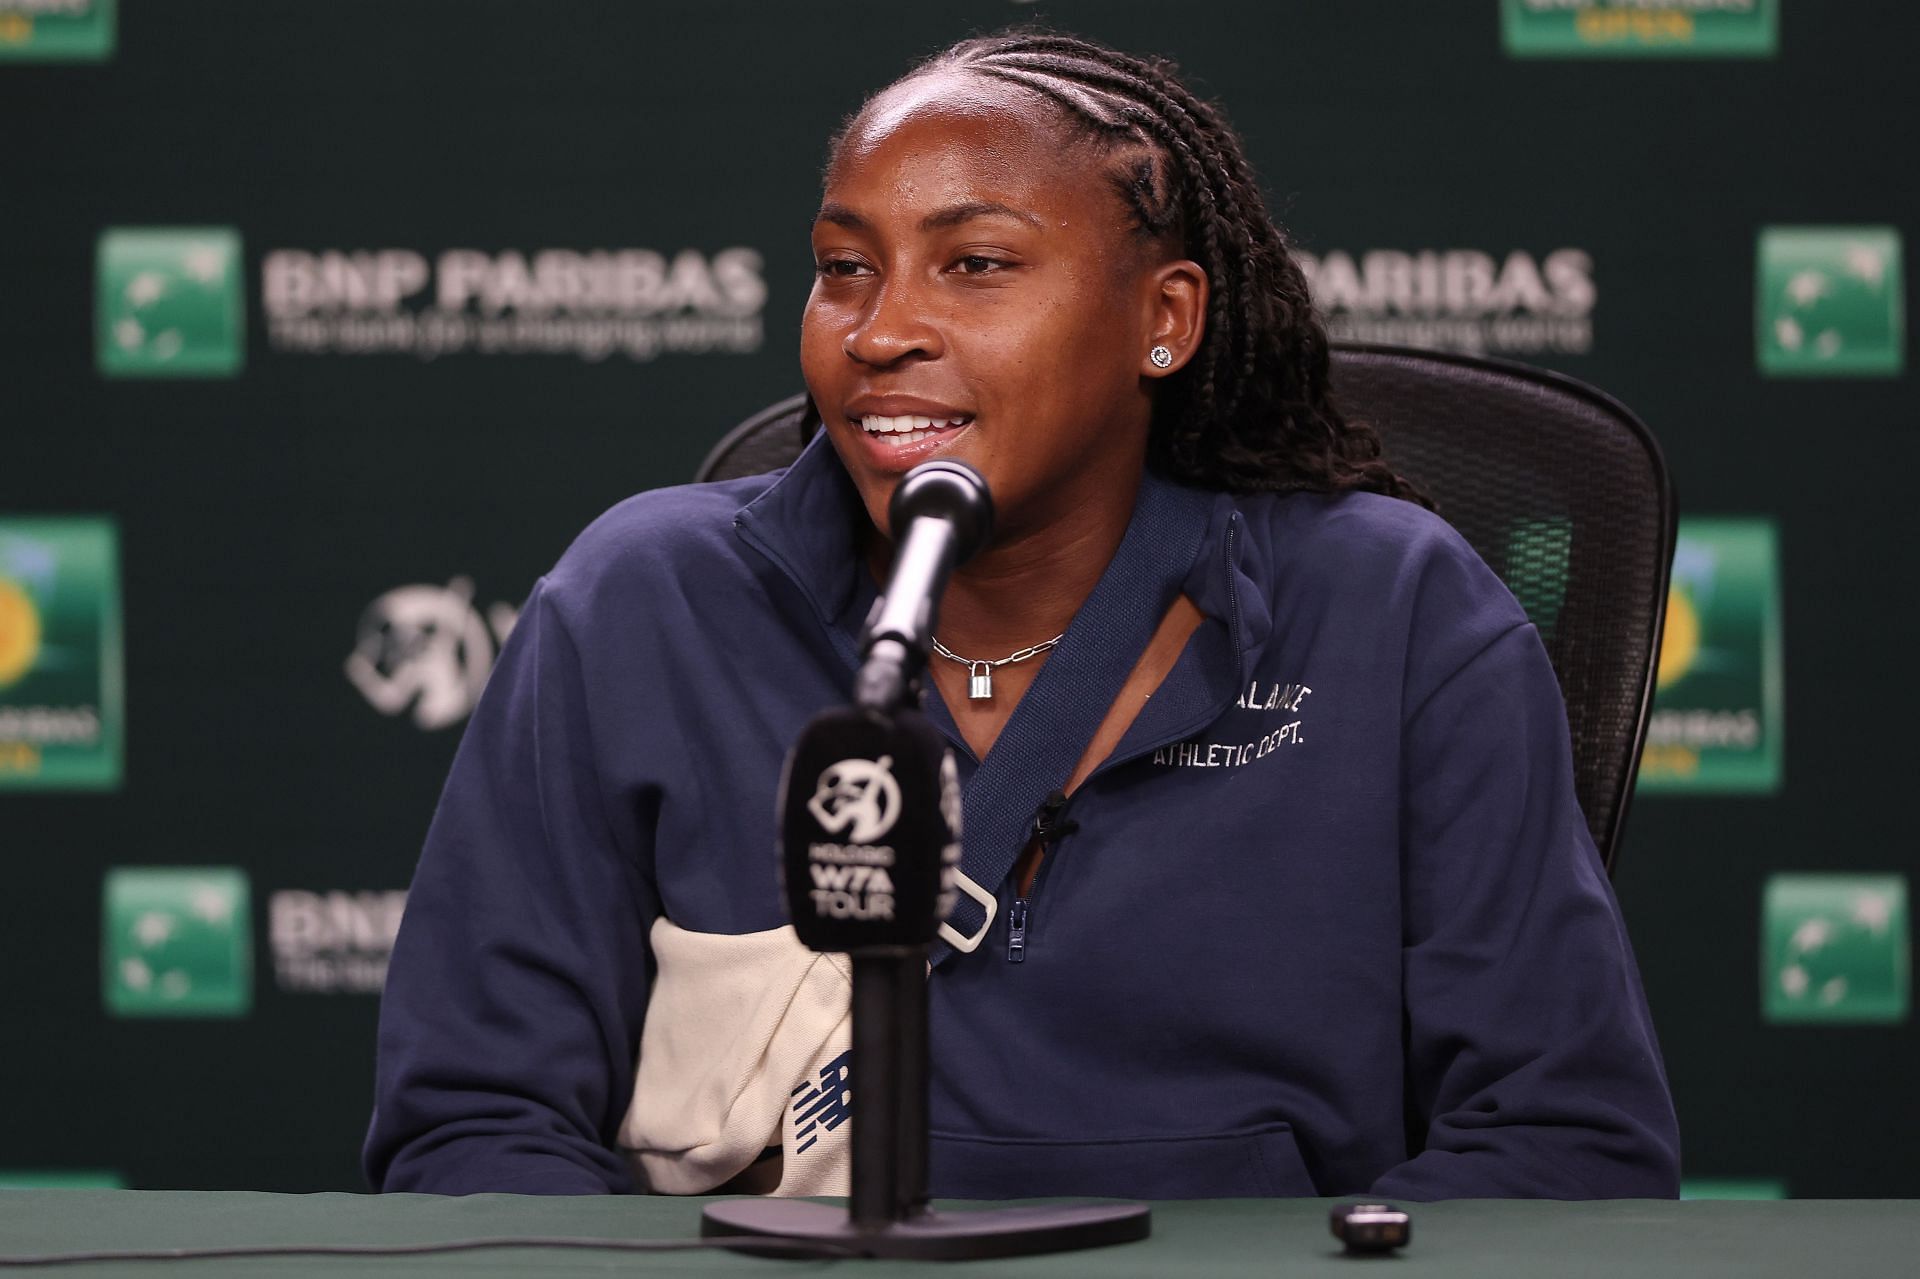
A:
592, 304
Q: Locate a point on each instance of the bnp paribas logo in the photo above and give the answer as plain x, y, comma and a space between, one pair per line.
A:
176, 941
1641, 28
1717, 722
169, 302
61, 717
1830, 302
56, 30
1835, 948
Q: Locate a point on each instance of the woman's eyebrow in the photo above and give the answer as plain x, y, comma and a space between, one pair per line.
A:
841, 215
951, 216
955, 214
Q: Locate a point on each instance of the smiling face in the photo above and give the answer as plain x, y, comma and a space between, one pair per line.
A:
981, 295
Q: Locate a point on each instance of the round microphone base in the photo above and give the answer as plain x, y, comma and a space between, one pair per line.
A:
932, 1236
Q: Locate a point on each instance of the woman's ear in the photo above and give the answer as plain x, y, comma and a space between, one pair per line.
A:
1177, 317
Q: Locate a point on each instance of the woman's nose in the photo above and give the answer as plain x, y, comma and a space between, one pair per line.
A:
894, 326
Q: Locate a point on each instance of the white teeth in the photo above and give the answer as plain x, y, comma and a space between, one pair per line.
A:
909, 424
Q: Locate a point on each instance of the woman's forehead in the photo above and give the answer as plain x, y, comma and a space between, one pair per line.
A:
944, 91
958, 127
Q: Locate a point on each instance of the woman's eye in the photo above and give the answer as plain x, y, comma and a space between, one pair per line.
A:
978, 264
837, 267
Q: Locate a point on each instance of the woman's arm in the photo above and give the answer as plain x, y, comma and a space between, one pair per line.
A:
1532, 1067
514, 1001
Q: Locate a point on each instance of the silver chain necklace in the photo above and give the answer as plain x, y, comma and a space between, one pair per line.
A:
980, 686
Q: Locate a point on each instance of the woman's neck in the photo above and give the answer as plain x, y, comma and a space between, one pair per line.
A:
1026, 588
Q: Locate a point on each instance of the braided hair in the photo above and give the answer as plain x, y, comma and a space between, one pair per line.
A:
1252, 410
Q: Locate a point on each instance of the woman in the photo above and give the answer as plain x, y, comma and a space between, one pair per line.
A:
1316, 912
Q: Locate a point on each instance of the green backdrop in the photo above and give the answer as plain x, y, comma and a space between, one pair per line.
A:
327, 326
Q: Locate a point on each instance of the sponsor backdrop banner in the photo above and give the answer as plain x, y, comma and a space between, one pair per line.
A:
56, 30
1641, 28
1716, 722
326, 327
60, 669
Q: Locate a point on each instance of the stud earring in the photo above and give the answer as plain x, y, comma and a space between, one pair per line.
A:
1160, 356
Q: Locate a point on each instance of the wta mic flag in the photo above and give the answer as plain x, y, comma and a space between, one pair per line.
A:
870, 830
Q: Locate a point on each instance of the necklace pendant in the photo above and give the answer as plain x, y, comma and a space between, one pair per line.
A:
980, 686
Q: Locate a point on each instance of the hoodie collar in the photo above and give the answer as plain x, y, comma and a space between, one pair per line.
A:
1179, 539
808, 523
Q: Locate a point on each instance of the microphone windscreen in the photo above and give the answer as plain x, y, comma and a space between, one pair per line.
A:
870, 830
949, 490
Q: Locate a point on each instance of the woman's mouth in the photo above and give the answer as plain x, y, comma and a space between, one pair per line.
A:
909, 428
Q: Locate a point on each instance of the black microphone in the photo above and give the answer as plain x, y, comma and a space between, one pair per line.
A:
870, 830
941, 514
870, 798
870, 810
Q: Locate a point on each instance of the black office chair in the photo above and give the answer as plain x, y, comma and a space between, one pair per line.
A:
1558, 486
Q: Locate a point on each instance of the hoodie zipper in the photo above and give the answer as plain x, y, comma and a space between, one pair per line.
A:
1048, 830
1017, 931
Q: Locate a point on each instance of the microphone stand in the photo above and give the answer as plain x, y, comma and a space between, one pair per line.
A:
888, 1214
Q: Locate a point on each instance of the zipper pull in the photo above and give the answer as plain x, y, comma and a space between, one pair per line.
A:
1017, 931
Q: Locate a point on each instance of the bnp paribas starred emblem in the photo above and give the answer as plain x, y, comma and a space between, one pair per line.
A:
169, 302
176, 941
1836, 948
1831, 302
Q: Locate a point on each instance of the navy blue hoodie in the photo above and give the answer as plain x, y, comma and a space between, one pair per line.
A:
1329, 920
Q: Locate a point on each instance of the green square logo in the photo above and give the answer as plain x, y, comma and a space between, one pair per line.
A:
1717, 719
1640, 28
176, 941
169, 302
1830, 302
56, 30
1835, 948
61, 684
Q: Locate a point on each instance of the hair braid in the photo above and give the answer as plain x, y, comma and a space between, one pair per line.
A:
1198, 126
1168, 122
1253, 410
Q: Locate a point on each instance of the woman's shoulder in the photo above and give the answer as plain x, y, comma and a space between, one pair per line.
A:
1393, 553
677, 534
1353, 528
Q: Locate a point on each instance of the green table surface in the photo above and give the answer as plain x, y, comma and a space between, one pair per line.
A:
1821, 1239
